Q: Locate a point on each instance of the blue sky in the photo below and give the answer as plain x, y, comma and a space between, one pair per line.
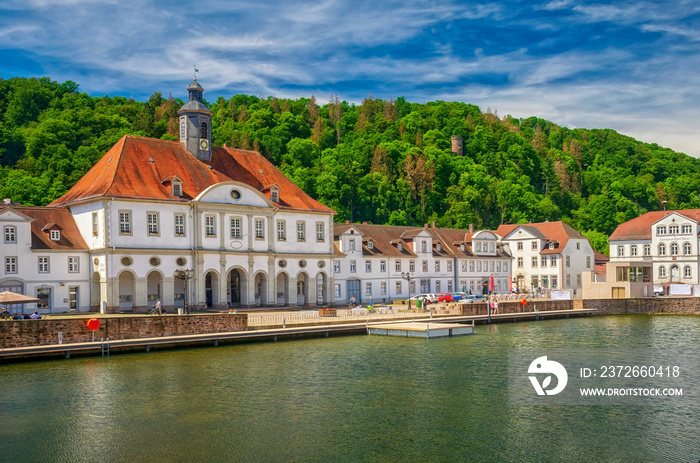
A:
627, 65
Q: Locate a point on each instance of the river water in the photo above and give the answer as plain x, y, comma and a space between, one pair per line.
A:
348, 399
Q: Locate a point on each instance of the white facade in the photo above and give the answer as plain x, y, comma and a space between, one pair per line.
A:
243, 250
670, 245
541, 263
373, 260
58, 277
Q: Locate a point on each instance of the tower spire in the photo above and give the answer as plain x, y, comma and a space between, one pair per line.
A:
195, 123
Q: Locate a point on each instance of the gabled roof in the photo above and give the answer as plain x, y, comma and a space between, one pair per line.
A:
386, 237
46, 218
382, 236
135, 168
557, 232
639, 228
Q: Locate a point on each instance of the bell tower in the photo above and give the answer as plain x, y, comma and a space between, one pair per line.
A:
195, 124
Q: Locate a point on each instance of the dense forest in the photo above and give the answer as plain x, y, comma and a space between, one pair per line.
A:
383, 161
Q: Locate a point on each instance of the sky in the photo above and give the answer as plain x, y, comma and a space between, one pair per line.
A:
631, 66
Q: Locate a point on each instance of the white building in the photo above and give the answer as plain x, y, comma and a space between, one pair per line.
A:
372, 260
668, 240
216, 227
548, 256
44, 256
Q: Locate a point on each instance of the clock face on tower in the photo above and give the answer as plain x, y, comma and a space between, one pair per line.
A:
204, 144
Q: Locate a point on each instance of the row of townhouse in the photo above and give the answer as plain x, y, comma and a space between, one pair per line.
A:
381, 263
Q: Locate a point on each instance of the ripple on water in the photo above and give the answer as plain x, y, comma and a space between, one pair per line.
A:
370, 398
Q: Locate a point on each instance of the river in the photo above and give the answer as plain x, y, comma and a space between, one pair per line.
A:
344, 399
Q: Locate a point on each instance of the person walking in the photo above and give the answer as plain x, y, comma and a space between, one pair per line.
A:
157, 307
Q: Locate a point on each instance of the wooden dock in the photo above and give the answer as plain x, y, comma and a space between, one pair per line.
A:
421, 329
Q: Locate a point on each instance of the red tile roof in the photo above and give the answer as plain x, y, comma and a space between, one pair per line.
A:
70, 236
640, 227
384, 238
135, 167
558, 232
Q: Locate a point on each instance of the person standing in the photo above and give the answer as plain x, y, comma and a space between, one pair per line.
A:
157, 306
495, 306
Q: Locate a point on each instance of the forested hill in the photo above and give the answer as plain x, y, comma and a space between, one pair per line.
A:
386, 162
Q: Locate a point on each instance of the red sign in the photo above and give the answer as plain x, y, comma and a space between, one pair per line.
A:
523, 301
93, 324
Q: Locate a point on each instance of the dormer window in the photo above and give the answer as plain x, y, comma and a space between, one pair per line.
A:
424, 246
399, 246
55, 235
551, 245
274, 194
177, 189
438, 248
461, 247
370, 244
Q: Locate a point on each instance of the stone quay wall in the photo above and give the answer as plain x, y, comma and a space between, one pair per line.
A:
640, 306
26, 333
479, 308
637, 306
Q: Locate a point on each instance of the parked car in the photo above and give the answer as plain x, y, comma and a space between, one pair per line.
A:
458, 296
658, 290
474, 298
445, 297
432, 298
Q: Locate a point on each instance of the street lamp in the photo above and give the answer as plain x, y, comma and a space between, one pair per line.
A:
186, 275
408, 277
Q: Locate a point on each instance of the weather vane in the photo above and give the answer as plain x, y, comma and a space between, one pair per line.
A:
195, 72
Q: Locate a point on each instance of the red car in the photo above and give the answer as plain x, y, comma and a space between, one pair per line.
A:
445, 297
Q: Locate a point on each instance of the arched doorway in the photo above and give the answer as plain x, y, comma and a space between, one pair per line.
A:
126, 291
95, 292
211, 288
321, 289
282, 289
237, 288
260, 289
302, 289
154, 285
675, 274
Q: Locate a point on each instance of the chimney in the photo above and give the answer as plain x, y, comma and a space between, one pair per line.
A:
425, 225
365, 223
433, 224
347, 221
471, 228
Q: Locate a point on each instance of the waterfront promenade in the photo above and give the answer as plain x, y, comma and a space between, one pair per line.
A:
262, 325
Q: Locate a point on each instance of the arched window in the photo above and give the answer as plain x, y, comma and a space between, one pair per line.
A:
662, 250
662, 272
686, 249
205, 132
674, 249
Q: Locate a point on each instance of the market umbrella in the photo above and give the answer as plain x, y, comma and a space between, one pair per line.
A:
491, 283
8, 297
